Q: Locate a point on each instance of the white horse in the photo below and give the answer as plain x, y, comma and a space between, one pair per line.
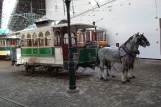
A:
125, 55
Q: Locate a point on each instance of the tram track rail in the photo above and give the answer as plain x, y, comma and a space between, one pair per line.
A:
13, 102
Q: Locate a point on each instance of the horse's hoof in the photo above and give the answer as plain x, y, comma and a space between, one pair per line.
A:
113, 76
101, 78
33, 75
128, 80
105, 79
123, 82
27, 74
133, 77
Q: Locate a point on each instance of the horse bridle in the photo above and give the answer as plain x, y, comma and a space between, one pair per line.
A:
128, 52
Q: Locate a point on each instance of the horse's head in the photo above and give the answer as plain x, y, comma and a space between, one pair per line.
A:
144, 39
137, 40
140, 40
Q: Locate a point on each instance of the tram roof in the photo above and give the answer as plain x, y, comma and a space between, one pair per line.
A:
77, 25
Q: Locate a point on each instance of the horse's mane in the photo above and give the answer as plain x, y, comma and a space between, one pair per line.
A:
128, 40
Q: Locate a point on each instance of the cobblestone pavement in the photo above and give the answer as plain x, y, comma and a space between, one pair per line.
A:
17, 90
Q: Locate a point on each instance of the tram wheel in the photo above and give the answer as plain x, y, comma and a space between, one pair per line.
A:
33, 72
27, 71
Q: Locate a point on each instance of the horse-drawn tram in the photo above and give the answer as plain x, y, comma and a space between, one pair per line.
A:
6, 43
47, 47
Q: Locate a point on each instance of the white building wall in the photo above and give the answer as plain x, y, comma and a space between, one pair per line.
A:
125, 19
55, 8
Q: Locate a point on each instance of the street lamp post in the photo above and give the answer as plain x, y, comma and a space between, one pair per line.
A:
71, 66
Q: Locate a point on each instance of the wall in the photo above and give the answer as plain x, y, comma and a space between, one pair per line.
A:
126, 19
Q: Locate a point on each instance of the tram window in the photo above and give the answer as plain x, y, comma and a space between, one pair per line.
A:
23, 36
18, 42
29, 40
87, 36
7, 43
2, 43
47, 42
80, 37
73, 38
25, 43
100, 36
66, 38
41, 39
104, 36
94, 37
12, 42
35, 42
57, 40
47, 39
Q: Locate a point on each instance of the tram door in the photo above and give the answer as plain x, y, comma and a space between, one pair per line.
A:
65, 47
57, 45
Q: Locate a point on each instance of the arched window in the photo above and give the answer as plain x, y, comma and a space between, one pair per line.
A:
41, 35
29, 40
66, 38
23, 36
57, 39
47, 39
41, 39
34, 40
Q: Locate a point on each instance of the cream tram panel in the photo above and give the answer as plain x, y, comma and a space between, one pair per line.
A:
57, 59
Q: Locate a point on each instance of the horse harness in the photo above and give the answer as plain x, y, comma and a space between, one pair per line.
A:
128, 52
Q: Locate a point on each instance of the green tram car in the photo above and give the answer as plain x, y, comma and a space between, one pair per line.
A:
47, 47
6, 43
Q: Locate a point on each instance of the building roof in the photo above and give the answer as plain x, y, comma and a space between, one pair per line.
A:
20, 18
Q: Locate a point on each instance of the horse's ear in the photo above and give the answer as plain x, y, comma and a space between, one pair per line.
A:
138, 33
143, 34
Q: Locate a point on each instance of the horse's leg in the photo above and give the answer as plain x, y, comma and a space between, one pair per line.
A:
123, 78
109, 70
108, 74
130, 73
101, 70
105, 69
126, 75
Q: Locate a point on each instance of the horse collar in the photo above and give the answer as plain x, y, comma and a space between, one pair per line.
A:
130, 53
